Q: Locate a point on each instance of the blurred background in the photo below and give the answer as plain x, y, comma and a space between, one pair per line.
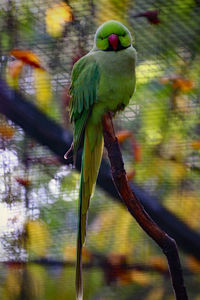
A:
159, 133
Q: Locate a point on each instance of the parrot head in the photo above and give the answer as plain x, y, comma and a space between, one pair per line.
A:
112, 36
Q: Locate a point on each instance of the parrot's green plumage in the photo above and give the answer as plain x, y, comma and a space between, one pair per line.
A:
102, 81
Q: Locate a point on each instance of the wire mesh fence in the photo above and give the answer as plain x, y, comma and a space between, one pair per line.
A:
161, 150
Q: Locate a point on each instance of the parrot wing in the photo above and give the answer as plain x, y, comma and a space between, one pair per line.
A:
83, 91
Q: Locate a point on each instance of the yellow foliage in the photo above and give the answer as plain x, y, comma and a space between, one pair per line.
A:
36, 277
13, 283
38, 237
112, 231
182, 104
101, 235
161, 168
156, 294
193, 264
173, 147
186, 205
121, 232
174, 170
6, 131
147, 71
159, 263
140, 277
13, 82
111, 10
56, 17
43, 91
153, 136
70, 254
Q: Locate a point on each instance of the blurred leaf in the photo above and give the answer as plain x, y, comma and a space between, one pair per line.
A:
153, 120
70, 182
13, 82
123, 135
135, 147
111, 10
56, 17
195, 144
177, 82
130, 175
147, 71
43, 90
23, 181
186, 205
28, 57
135, 276
193, 264
156, 293
70, 254
35, 281
38, 237
15, 68
12, 285
184, 85
6, 131
159, 263
151, 16
111, 231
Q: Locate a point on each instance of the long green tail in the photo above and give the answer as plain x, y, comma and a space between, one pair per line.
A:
91, 159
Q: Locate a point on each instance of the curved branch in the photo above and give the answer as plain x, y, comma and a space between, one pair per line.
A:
165, 242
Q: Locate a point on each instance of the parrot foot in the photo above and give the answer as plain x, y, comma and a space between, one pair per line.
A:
121, 107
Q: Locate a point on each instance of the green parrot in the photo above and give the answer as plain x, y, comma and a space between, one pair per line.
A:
102, 81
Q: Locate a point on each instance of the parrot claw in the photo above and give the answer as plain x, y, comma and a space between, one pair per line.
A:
69, 155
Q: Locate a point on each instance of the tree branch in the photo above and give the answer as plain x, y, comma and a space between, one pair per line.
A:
166, 243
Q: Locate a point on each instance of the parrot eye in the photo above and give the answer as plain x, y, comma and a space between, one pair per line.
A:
123, 35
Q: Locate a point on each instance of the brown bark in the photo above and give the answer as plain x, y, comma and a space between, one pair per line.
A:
164, 241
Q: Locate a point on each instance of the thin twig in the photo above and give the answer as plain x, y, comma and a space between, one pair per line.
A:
166, 243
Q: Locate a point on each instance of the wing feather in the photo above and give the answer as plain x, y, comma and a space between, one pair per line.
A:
85, 80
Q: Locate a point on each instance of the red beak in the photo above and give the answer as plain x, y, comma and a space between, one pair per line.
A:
113, 40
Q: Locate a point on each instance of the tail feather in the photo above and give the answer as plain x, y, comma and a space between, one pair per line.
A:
89, 171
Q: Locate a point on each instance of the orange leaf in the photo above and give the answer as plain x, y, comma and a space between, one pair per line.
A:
116, 259
123, 135
195, 144
193, 264
23, 181
159, 263
178, 82
6, 131
184, 85
136, 151
15, 68
130, 174
28, 57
